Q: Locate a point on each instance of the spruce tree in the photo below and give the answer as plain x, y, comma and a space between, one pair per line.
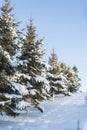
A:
31, 51
57, 85
73, 79
6, 87
8, 29
32, 66
54, 63
8, 46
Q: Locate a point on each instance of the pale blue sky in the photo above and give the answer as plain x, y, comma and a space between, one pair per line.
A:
63, 24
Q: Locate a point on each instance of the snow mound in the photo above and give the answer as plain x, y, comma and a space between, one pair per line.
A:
63, 113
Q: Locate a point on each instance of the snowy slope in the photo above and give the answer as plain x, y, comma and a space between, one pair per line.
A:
62, 113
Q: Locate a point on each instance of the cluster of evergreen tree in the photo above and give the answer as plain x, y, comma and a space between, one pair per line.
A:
24, 78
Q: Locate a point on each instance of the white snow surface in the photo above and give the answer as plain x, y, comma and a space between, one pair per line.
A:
62, 113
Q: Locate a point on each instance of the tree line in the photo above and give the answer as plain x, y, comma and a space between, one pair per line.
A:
25, 79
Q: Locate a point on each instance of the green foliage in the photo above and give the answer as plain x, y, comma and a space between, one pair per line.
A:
8, 29
31, 51
73, 78
54, 63
5, 65
8, 45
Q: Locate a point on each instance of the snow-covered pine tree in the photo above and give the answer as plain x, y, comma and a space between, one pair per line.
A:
55, 76
73, 79
63, 79
8, 46
6, 88
8, 29
54, 63
32, 66
31, 52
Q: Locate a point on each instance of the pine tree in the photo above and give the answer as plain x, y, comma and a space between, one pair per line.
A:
55, 76
32, 66
31, 51
8, 29
73, 79
8, 46
6, 88
53, 61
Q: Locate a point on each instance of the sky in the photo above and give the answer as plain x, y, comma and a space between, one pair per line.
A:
63, 25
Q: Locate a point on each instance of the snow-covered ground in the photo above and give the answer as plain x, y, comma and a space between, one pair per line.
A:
62, 113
